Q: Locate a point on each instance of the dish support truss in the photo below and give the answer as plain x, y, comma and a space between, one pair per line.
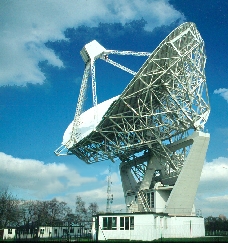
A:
161, 192
90, 53
165, 102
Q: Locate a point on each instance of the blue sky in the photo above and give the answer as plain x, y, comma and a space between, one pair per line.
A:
40, 77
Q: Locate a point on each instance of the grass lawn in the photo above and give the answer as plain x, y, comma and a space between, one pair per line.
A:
200, 239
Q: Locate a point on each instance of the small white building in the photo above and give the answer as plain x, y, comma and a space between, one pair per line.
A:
8, 233
145, 226
45, 231
59, 231
50, 232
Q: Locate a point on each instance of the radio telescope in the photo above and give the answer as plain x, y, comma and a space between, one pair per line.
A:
154, 127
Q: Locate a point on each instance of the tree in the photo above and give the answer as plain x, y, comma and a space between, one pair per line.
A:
44, 212
9, 209
83, 215
31, 214
27, 211
57, 211
80, 210
92, 210
216, 223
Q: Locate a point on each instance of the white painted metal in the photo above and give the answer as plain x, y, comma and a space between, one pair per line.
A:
174, 200
73, 137
119, 66
165, 100
182, 197
130, 53
148, 126
87, 123
90, 53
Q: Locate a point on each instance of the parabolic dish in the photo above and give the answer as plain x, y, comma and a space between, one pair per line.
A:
88, 120
165, 99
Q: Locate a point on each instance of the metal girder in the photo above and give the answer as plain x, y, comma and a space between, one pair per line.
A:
119, 66
130, 53
166, 100
154, 126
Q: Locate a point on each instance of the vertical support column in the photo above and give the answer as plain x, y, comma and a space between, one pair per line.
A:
152, 165
182, 197
129, 185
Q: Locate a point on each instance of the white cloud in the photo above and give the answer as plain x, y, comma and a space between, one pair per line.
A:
37, 178
33, 179
217, 169
213, 206
212, 194
223, 92
99, 195
41, 180
26, 25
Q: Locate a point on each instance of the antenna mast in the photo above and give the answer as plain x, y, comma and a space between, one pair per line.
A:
109, 193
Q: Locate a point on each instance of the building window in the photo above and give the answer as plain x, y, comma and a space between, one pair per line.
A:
131, 223
105, 223
126, 223
55, 231
72, 230
109, 223
121, 223
165, 223
150, 199
9, 231
41, 231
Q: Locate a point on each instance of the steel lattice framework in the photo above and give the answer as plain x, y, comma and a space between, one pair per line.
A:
165, 101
